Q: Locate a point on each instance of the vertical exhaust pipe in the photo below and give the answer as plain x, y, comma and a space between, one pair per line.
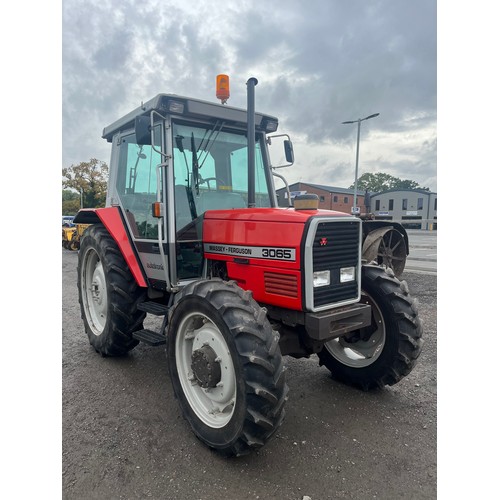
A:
251, 83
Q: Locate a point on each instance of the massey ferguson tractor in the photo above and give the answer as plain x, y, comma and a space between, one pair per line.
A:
192, 233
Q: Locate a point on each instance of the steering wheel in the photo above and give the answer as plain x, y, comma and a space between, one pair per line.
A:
208, 179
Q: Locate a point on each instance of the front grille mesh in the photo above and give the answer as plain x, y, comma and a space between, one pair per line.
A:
336, 245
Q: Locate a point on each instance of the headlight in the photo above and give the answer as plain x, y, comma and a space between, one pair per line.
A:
347, 274
321, 278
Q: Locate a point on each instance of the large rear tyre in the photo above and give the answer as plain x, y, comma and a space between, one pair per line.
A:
385, 352
226, 367
108, 294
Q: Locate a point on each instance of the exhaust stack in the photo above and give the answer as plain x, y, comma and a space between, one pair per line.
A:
251, 83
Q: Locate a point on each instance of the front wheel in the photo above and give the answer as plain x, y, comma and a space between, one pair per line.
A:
226, 367
386, 351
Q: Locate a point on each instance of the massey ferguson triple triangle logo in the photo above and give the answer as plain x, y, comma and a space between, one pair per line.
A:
323, 242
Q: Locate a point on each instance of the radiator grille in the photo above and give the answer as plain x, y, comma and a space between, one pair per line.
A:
336, 245
281, 284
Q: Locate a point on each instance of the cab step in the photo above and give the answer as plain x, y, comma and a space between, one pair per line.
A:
153, 308
149, 337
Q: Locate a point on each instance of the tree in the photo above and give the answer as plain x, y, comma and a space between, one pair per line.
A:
380, 181
70, 202
89, 179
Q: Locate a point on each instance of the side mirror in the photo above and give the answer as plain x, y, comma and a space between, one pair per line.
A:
143, 130
276, 154
288, 151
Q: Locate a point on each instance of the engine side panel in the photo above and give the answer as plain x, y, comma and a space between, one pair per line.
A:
261, 256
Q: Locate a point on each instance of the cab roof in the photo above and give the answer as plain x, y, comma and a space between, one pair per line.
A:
188, 107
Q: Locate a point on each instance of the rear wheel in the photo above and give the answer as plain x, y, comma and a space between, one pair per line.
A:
108, 294
387, 350
226, 367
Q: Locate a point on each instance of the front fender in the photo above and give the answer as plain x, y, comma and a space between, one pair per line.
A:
113, 221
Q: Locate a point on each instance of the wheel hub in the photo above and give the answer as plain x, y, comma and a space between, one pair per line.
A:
206, 367
96, 292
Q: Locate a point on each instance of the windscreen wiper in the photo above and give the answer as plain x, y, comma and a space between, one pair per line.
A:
210, 141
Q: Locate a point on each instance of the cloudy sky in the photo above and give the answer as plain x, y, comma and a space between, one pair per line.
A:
318, 63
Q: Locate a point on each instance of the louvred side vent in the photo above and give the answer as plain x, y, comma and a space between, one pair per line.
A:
281, 284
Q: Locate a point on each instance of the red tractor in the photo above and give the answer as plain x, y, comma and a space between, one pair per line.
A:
192, 233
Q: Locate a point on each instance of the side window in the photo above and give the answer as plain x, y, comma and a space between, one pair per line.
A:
420, 204
137, 184
391, 204
404, 205
377, 204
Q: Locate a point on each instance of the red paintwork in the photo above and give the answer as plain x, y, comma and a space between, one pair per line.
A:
270, 214
113, 222
260, 227
263, 227
251, 277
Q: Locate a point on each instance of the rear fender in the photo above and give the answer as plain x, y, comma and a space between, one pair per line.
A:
370, 226
372, 242
113, 221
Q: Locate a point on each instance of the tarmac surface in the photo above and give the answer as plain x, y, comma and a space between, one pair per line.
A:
123, 435
423, 251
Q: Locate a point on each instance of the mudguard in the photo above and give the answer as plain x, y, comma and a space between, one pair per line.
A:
371, 246
113, 221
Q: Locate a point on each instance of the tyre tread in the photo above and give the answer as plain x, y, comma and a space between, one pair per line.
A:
404, 314
123, 295
257, 347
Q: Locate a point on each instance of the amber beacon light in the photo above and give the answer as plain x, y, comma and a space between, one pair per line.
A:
222, 88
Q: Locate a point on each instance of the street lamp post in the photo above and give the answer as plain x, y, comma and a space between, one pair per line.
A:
358, 121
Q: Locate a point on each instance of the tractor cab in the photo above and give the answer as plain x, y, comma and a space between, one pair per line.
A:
173, 159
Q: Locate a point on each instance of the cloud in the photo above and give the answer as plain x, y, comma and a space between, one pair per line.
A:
318, 63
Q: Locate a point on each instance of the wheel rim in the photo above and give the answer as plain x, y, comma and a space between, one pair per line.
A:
95, 297
391, 252
196, 335
363, 351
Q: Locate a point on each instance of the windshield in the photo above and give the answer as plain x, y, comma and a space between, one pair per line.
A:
216, 175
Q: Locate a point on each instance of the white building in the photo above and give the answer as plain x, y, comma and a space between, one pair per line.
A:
414, 208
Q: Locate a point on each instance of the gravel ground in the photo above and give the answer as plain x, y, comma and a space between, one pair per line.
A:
123, 436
